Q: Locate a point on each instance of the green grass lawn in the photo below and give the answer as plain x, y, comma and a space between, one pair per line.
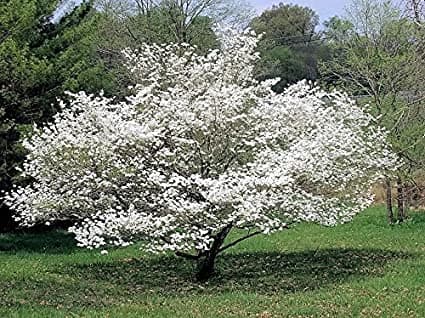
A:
362, 269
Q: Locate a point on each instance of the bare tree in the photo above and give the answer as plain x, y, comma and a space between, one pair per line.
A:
416, 8
380, 58
181, 19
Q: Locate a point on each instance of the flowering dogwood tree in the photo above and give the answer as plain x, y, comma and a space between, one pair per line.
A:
200, 148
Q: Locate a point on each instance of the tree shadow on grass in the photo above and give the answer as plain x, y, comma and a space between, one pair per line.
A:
262, 272
110, 282
49, 242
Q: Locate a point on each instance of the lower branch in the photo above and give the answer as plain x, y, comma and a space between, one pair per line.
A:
243, 239
238, 241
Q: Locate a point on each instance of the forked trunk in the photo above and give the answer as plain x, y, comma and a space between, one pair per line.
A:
206, 264
206, 259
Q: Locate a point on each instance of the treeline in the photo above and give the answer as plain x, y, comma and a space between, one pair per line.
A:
376, 50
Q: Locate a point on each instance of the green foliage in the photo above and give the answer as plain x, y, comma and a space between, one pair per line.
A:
71, 49
284, 22
337, 29
361, 269
288, 48
39, 61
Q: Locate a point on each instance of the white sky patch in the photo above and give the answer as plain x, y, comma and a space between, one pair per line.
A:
64, 7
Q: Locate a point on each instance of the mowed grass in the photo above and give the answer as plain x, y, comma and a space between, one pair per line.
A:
362, 269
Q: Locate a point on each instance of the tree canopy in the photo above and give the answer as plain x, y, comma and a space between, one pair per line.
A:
198, 149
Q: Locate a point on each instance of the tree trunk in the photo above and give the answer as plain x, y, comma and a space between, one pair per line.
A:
389, 201
206, 265
400, 201
407, 199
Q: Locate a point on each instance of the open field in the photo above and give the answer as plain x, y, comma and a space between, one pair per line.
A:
362, 269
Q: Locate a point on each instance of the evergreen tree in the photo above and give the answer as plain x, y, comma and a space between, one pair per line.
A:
39, 61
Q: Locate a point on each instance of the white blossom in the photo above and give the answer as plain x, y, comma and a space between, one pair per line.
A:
198, 146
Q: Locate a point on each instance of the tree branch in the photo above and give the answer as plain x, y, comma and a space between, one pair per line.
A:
238, 241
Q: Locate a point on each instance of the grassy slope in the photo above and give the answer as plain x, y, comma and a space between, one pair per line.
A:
365, 268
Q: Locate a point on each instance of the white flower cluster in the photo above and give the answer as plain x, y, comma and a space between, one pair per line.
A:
199, 146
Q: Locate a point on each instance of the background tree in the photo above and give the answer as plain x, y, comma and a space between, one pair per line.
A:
133, 22
128, 24
376, 55
416, 9
288, 47
39, 60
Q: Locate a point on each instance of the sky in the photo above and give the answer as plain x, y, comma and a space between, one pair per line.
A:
324, 8
65, 6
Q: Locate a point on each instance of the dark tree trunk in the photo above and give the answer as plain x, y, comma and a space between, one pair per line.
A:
206, 259
407, 199
400, 201
206, 267
389, 201
7, 224
206, 264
